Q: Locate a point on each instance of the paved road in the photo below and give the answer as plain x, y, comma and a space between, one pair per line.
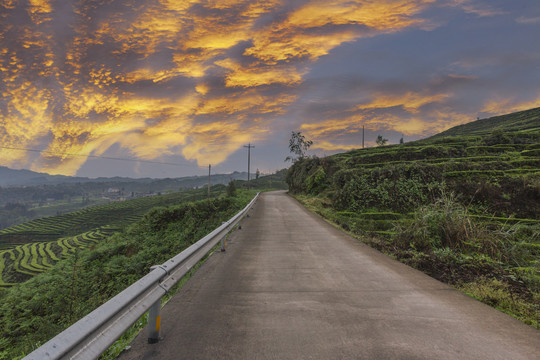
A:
290, 286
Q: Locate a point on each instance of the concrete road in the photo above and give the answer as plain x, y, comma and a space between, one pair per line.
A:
290, 286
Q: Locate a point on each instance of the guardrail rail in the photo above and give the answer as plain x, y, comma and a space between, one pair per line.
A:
92, 335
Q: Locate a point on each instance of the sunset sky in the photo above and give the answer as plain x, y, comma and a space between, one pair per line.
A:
190, 82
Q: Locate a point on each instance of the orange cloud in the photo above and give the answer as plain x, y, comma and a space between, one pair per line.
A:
213, 143
200, 78
38, 10
507, 105
240, 76
295, 38
28, 120
379, 113
250, 101
410, 101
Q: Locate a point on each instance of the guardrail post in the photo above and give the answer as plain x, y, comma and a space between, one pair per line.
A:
223, 244
154, 322
154, 319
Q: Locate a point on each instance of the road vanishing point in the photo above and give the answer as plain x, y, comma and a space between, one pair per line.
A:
291, 286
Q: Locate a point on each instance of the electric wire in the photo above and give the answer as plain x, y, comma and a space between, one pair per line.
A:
99, 157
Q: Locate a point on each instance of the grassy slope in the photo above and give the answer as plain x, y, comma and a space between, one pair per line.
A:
463, 205
34, 311
62, 235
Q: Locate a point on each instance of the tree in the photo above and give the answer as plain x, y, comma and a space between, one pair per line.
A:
231, 189
381, 141
298, 145
401, 140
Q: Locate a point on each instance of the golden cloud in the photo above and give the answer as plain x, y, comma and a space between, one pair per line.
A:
296, 36
250, 101
168, 77
409, 101
38, 10
28, 120
257, 76
506, 105
380, 113
213, 143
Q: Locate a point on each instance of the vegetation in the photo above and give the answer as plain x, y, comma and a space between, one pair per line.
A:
35, 246
231, 189
381, 141
462, 206
298, 146
268, 182
27, 195
14, 213
36, 310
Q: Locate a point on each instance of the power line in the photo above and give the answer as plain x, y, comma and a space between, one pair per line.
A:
96, 156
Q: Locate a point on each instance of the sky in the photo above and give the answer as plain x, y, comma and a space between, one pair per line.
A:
184, 84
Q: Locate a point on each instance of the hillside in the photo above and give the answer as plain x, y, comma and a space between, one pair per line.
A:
522, 121
22, 177
33, 247
463, 205
489, 167
34, 311
12, 177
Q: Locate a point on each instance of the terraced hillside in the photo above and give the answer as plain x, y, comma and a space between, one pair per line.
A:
463, 205
35, 246
494, 166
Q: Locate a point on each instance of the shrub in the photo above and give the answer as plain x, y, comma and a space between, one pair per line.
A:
401, 187
444, 224
316, 182
36, 310
498, 136
231, 189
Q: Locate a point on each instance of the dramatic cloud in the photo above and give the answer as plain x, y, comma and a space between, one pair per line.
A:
192, 81
477, 7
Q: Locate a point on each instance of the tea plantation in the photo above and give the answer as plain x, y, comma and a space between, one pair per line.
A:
463, 206
35, 246
93, 266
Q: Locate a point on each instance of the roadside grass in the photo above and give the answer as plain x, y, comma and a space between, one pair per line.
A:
495, 262
34, 311
122, 344
67, 233
497, 294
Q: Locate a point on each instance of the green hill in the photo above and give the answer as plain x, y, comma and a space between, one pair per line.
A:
35, 246
463, 205
493, 163
34, 311
523, 122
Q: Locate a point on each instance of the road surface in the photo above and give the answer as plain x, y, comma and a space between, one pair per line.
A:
291, 286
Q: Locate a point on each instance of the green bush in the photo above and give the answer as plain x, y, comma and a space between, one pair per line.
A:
231, 189
36, 310
401, 187
444, 224
316, 182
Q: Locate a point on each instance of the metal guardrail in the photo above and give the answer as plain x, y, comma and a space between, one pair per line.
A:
89, 337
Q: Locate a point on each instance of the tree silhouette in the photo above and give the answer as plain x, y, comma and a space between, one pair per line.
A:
298, 145
381, 141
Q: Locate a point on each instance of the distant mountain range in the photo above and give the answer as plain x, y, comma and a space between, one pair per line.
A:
11, 177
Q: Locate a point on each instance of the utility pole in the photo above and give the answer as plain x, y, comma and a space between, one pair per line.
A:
362, 136
209, 168
249, 146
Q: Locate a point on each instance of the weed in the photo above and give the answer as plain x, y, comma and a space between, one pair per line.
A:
498, 294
